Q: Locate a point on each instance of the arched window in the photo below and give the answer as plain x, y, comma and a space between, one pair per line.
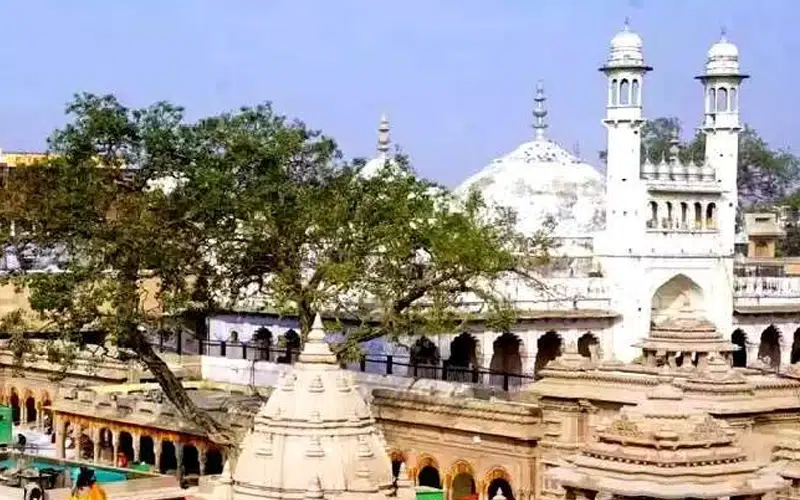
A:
653, 214
684, 215
722, 99
712, 100
635, 93
711, 216
733, 99
624, 92
669, 218
698, 215
614, 92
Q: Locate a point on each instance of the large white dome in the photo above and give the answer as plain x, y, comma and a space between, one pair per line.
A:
540, 179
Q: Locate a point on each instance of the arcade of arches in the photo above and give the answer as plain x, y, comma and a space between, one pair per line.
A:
460, 480
85, 438
29, 407
507, 361
770, 349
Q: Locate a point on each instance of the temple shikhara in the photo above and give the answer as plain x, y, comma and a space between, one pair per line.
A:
658, 360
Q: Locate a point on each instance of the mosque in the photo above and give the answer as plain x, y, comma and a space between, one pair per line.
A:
647, 242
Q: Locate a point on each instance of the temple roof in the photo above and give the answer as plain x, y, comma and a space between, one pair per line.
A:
686, 333
316, 428
663, 449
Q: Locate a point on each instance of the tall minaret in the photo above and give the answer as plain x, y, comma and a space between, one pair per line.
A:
625, 69
721, 82
539, 113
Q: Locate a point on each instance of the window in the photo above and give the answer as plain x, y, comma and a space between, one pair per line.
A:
614, 93
624, 92
711, 216
722, 99
635, 94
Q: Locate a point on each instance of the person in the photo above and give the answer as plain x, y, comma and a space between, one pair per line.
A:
86, 487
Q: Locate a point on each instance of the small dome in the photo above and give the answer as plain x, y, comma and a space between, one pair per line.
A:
626, 49
723, 58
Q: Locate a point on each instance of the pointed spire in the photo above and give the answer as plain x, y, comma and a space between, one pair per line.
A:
539, 112
316, 349
383, 136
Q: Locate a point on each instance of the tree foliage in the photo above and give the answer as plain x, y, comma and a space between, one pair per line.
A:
153, 216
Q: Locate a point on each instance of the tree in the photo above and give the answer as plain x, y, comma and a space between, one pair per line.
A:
240, 203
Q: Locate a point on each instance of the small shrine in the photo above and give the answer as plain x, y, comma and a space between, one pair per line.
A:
662, 449
684, 340
314, 438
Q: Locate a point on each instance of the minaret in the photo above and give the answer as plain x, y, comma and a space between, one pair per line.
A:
625, 70
383, 136
721, 82
539, 113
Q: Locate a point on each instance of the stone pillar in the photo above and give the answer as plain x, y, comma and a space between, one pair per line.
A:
157, 453
136, 441
114, 444
96, 443
202, 459
179, 460
23, 412
60, 430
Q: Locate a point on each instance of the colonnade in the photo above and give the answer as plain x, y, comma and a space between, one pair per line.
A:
122, 445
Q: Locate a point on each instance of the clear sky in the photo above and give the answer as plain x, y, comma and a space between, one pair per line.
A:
455, 77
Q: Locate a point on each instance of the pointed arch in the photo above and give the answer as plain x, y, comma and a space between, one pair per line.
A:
795, 355
548, 348
588, 344
424, 358
769, 348
636, 97
740, 339
624, 92
506, 359
678, 294
463, 357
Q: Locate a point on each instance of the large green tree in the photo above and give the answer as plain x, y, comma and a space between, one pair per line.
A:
244, 203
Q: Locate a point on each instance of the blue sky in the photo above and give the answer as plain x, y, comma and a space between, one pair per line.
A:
456, 77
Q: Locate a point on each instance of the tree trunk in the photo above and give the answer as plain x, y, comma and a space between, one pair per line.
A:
220, 434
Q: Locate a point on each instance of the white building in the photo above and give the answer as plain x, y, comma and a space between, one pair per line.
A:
649, 241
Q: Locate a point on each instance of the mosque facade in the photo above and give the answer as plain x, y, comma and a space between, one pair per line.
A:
635, 246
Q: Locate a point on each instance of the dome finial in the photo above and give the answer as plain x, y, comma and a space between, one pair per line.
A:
539, 112
723, 34
383, 135
627, 25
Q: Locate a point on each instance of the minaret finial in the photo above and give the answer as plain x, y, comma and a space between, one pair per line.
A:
383, 135
627, 26
539, 112
723, 34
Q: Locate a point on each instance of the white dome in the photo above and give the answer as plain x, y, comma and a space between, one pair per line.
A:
723, 58
723, 49
539, 180
374, 166
626, 49
626, 39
